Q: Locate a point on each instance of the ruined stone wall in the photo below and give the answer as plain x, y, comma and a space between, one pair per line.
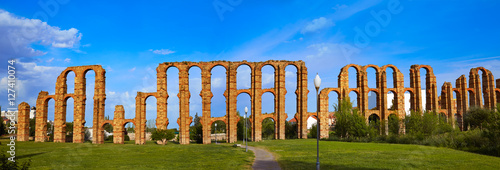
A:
481, 89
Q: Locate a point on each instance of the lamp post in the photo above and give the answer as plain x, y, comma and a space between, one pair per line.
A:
317, 83
215, 132
245, 119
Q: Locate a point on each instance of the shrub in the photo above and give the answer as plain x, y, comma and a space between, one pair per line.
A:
162, 135
127, 138
109, 138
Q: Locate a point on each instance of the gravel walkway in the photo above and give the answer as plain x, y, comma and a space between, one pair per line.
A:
263, 159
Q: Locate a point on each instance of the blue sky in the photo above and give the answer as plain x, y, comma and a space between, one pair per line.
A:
130, 39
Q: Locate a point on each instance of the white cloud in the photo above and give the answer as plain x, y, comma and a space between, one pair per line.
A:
50, 60
317, 24
67, 60
20, 33
162, 51
132, 69
339, 7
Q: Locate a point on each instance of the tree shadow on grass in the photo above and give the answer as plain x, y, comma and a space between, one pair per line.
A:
312, 165
30, 155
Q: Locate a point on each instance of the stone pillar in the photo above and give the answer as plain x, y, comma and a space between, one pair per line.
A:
79, 108
118, 125
363, 89
206, 96
161, 97
60, 110
323, 113
257, 104
23, 125
431, 90
280, 101
400, 98
416, 98
139, 119
41, 117
475, 100
462, 98
99, 103
447, 102
184, 95
302, 92
231, 92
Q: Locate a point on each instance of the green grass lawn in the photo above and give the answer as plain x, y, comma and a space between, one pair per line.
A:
50, 155
301, 154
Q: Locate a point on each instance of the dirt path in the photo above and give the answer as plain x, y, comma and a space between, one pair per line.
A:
263, 159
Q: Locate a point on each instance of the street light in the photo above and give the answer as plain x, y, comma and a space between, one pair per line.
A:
245, 119
317, 83
215, 132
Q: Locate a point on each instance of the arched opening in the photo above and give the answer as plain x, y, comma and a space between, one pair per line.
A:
129, 133
151, 114
291, 87
195, 101
482, 79
70, 82
218, 133
173, 100
409, 97
268, 73
373, 100
424, 88
333, 101
392, 101
268, 129
371, 74
471, 102
498, 96
393, 121
218, 85
89, 105
243, 100
374, 122
354, 98
69, 106
50, 119
243, 77
353, 77
108, 133
390, 73
267, 103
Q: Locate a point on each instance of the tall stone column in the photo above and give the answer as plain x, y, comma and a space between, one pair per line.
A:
257, 104
23, 125
41, 117
431, 90
184, 95
475, 99
323, 112
206, 96
118, 125
139, 119
60, 110
99, 103
161, 97
462, 98
302, 100
400, 98
232, 93
79, 108
280, 101
416, 98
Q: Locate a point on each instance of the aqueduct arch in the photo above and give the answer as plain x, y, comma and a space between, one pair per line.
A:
466, 97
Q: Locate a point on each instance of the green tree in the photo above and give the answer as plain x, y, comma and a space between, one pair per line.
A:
108, 127
291, 130
196, 131
241, 128
393, 124
32, 127
350, 122
69, 128
268, 128
163, 135
221, 127
3, 129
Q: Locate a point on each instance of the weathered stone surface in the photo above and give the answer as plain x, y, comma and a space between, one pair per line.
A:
445, 104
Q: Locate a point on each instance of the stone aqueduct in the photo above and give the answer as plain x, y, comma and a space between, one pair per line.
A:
467, 95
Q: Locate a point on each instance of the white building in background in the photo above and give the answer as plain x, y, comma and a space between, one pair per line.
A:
372, 101
311, 120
